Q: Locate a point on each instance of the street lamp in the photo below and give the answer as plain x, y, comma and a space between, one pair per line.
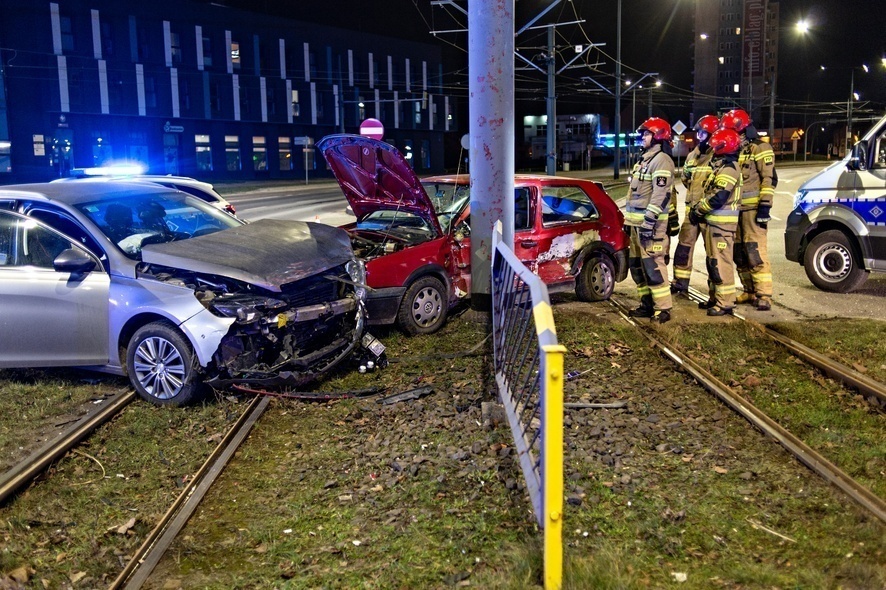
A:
806, 136
853, 96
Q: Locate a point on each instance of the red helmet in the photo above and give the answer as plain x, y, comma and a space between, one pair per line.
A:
735, 119
708, 123
724, 141
660, 129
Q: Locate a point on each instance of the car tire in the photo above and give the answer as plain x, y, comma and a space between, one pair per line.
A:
596, 280
424, 307
162, 366
831, 264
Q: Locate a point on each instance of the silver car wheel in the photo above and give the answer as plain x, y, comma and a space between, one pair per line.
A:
427, 306
159, 367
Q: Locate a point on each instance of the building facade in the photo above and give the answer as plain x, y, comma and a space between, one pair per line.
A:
736, 57
197, 89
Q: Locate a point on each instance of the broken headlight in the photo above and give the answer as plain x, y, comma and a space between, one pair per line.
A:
245, 309
356, 269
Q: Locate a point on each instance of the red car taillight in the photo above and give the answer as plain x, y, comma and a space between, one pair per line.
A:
230, 209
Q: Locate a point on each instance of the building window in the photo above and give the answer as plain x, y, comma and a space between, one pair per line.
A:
215, 97
235, 54
204, 153
184, 94
296, 110
107, 37
407, 152
175, 45
67, 31
426, 154
207, 51
150, 92
284, 151
101, 149
312, 61
232, 153
271, 98
417, 112
361, 109
259, 154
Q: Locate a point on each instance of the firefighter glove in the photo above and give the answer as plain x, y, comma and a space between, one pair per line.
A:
673, 223
695, 217
762, 218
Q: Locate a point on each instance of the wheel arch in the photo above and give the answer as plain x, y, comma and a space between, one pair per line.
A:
860, 247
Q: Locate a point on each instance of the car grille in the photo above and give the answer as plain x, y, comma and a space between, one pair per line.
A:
316, 289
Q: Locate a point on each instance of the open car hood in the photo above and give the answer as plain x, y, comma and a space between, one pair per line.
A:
374, 175
267, 253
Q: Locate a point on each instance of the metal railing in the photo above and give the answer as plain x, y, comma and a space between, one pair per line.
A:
529, 374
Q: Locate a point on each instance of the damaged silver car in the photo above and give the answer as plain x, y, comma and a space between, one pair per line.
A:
153, 283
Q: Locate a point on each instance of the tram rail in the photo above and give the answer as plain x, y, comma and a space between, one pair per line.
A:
800, 450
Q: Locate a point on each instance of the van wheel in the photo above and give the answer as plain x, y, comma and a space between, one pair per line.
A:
831, 265
596, 280
424, 307
162, 366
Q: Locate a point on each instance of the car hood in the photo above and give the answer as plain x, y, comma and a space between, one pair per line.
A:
374, 175
267, 253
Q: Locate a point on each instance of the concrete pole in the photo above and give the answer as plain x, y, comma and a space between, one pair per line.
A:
491, 111
616, 164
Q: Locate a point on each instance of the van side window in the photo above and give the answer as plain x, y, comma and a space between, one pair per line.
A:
879, 145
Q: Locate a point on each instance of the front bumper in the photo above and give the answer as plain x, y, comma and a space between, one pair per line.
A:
796, 227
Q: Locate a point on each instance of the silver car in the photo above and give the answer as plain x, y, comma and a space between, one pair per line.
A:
141, 280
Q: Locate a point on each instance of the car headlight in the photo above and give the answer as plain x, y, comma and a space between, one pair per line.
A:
356, 269
798, 198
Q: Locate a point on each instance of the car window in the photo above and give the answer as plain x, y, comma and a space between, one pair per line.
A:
67, 226
24, 242
567, 203
154, 218
521, 208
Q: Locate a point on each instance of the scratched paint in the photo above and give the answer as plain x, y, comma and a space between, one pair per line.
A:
563, 247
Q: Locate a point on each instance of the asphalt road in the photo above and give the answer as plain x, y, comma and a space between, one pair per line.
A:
795, 297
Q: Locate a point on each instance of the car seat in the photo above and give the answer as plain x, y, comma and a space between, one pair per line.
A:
118, 222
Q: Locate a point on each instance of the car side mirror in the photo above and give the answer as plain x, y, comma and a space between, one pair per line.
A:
74, 261
858, 158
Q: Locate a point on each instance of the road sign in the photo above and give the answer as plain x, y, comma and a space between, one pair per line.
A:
679, 127
372, 128
303, 140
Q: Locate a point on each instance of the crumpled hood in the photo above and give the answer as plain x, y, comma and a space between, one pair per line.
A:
374, 175
267, 253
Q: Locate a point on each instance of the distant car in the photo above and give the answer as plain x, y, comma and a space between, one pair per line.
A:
201, 190
141, 280
415, 234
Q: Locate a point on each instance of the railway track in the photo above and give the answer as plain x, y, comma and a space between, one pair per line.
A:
142, 563
31, 466
741, 405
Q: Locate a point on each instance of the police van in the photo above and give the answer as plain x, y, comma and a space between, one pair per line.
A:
837, 229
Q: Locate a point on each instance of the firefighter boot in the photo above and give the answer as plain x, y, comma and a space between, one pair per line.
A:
763, 304
680, 286
646, 309
661, 316
746, 297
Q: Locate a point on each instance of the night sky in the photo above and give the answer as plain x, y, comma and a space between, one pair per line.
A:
657, 36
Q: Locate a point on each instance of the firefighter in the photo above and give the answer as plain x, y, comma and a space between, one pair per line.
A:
716, 214
646, 218
695, 172
757, 163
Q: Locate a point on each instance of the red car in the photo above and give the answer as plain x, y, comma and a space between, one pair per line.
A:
415, 236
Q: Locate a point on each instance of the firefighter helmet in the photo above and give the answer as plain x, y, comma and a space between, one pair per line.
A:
660, 129
708, 123
724, 141
736, 119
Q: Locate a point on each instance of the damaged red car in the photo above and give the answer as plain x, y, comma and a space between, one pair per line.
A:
414, 235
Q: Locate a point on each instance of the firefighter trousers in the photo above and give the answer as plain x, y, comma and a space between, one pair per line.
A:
718, 245
752, 255
646, 260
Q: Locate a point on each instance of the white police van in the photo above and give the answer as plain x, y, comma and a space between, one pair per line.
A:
837, 229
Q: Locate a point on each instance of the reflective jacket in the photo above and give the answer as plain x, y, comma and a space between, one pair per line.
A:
652, 182
695, 172
722, 193
757, 161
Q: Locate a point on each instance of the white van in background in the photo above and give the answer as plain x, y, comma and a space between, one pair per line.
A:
837, 229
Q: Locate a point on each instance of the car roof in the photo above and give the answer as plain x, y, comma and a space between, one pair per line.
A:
74, 193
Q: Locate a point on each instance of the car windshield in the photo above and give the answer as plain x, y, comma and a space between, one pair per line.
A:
449, 200
155, 218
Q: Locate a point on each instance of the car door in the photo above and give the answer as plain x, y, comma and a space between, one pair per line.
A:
568, 220
48, 317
